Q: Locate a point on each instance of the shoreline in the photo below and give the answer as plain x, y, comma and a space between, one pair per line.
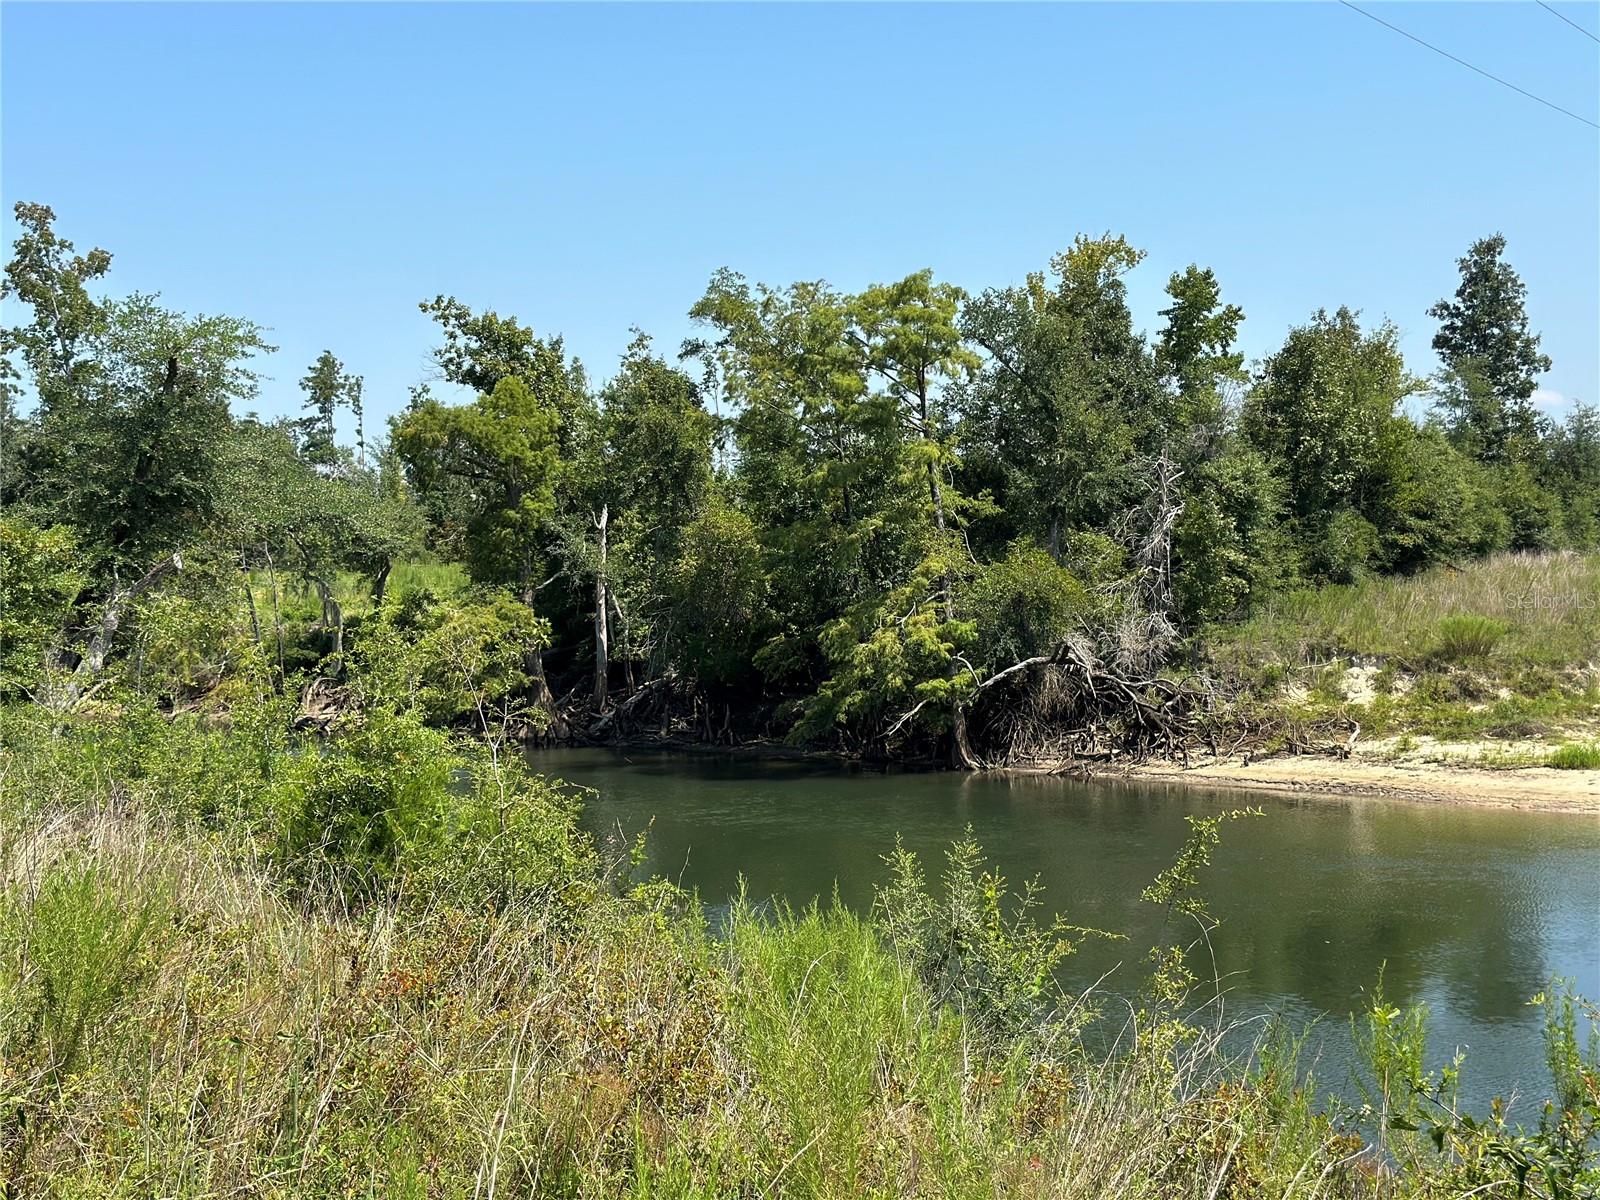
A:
1413, 779
1528, 789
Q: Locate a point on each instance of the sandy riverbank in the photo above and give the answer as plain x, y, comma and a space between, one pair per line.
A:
1407, 779
1435, 772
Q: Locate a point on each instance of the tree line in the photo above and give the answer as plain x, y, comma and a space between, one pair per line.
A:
876, 519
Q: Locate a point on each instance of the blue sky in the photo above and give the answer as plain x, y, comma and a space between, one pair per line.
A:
321, 168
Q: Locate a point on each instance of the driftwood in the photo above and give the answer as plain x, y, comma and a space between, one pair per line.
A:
1080, 705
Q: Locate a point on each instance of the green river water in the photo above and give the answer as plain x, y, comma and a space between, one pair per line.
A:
1468, 910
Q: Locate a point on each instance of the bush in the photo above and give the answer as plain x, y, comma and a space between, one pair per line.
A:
347, 812
41, 573
997, 969
1462, 638
1023, 604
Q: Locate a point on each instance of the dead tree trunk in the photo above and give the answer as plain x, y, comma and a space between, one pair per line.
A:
380, 583
277, 608
602, 665
332, 616
94, 656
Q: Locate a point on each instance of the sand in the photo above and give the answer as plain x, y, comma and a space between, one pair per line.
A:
1404, 778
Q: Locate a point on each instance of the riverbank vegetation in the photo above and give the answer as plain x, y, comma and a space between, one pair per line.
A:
235, 964
911, 522
282, 915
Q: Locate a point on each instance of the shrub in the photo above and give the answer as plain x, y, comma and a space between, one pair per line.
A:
1023, 604
508, 840
41, 575
1463, 637
997, 968
351, 809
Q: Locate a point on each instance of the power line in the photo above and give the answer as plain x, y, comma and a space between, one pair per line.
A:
1469, 66
1568, 20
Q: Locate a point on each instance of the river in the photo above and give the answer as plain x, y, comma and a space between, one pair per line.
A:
1467, 910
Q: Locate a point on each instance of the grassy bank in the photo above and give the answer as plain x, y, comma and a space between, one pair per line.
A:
232, 964
1497, 661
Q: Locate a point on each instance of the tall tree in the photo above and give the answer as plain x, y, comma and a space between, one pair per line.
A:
1071, 396
481, 349
132, 408
1195, 347
913, 348
52, 282
644, 477
819, 451
1491, 357
1323, 411
328, 387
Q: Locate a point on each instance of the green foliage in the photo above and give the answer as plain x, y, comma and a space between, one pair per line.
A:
465, 657
1575, 756
347, 814
897, 652
328, 386
42, 575
1231, 552
127, 443
1071, 393
980, 951
508, 839
1323, 411
504, 445
717, 591
1484, 339
1424, 1129
1023, 604
83, 948
1464, 637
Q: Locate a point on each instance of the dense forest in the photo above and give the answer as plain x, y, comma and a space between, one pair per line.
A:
914, 521
285, 913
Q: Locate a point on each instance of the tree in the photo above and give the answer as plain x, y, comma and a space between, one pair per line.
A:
716, 590
1195, 347
327, 387
907, 332
1070, 397
132, 404
504, 446
1323, 411
52, 282
820, 464
1490, 355
644, 476
481, 349
1573, 472
283, 510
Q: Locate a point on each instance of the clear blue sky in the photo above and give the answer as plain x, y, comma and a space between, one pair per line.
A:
321, 168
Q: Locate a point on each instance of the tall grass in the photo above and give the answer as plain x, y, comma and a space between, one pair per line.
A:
266, 1049
1548, 606
1576, 756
